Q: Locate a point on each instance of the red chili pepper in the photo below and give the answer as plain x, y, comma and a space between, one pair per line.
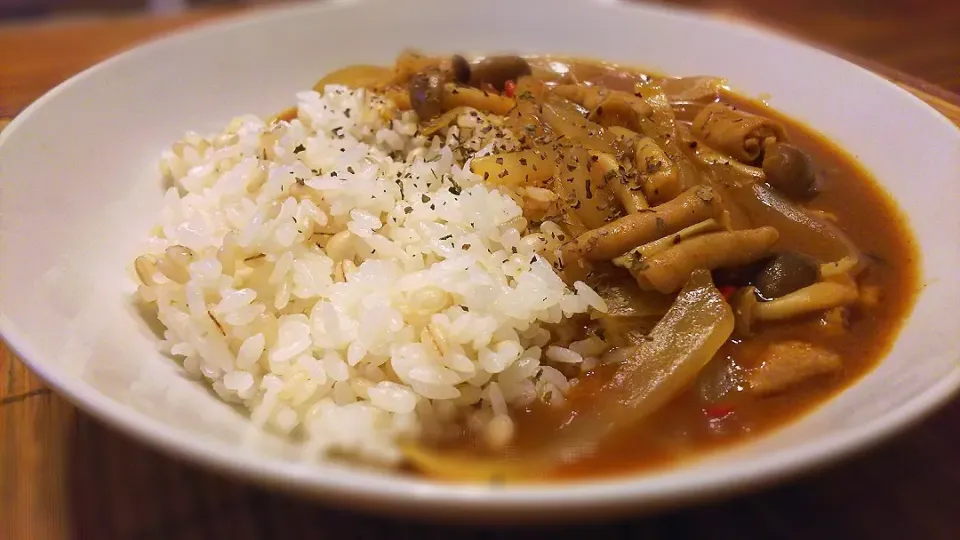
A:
727, 290
510, 88
718, 410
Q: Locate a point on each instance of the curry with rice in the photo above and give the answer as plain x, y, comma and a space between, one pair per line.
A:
751, 269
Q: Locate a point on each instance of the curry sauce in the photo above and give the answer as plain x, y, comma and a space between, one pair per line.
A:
688, 427
746, 268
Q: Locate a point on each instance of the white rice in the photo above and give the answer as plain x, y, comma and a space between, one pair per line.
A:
352, 283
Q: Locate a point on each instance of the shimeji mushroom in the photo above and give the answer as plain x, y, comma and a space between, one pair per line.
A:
617, 237
740, 135
635, 256
668, 271
820, 296
661, 177
621, 109
626, 187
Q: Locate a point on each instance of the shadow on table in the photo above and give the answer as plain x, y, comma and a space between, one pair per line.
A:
123, 490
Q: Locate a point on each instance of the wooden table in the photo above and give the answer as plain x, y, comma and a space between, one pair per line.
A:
63, 475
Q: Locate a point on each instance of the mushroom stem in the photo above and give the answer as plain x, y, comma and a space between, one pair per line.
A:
738, 134
455, 95
615, 238
661, 178
624, 186
631, 258
846, 265
668, 271
816, 297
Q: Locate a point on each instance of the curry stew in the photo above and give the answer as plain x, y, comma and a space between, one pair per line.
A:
751, 268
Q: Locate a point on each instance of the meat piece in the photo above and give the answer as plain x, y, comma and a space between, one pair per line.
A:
789, 363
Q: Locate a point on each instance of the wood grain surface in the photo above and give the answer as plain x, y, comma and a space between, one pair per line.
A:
63, 475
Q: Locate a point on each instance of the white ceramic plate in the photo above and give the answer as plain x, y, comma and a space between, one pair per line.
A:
80, 189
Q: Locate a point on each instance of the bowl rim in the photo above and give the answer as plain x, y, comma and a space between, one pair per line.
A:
338, 483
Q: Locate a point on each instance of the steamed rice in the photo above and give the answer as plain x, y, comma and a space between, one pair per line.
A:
352, 283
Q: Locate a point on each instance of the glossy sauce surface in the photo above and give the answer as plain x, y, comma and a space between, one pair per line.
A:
689, 427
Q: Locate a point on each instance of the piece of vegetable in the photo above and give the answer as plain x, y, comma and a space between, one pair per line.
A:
719, 410
584, 195
442, 121
680, 345
785, 273
357, 76
411, 62
631, 313
692, 89
662, 127
846, 265
497, 70
720, 381
510, 89
728, 291
740, 135
524, 168
724, 170
653, 373
800, 231
589, 97
744, 303
616, 238
790, 171
565, 120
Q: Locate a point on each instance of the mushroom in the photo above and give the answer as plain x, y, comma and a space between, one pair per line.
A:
669, 270
635, 256
820, 296
461, 69
497, 70
358, 76
744, 304
740, 135
786, 273
454, 95
426, 94
624, 186
587, 96
617, 237
728, 172
790, 171
621, 109
817, 297
661, 178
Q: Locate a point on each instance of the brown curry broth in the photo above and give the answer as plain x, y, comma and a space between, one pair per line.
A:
683, 428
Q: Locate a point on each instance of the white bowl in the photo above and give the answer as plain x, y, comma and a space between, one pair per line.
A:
80, 189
